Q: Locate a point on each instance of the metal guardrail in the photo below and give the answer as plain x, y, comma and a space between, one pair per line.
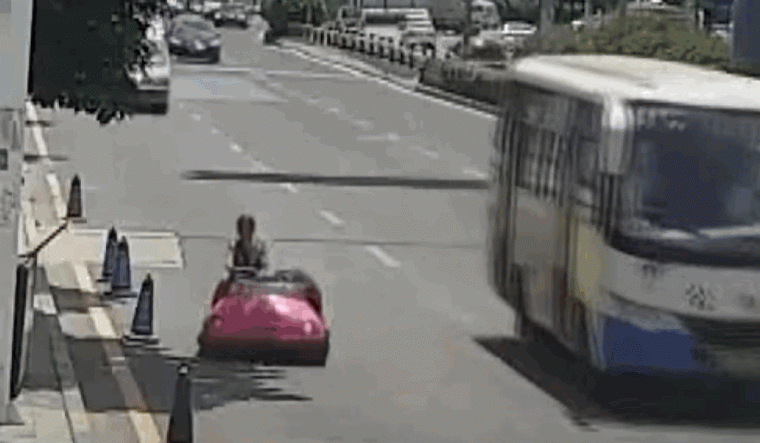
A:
413, 55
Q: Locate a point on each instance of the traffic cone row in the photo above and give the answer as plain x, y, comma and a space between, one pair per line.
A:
117, 274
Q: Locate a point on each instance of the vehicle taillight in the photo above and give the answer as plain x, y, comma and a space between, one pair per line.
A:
217, 322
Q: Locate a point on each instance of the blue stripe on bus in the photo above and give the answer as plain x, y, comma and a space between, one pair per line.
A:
629, 349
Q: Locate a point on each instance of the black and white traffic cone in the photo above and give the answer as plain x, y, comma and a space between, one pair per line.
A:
109, 260
74, 211
121, 278
181, 420
142, 322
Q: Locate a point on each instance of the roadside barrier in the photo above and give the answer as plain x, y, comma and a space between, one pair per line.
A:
478, 82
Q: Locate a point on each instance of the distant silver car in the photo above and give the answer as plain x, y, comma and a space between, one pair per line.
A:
151, 83
232, 13
418, 34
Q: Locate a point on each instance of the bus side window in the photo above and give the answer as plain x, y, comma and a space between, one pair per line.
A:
528, 151
585, 186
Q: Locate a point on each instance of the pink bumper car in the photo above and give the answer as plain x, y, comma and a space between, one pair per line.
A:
272, 319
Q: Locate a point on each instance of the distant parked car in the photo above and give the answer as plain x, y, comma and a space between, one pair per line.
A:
234, 13
192, 36
151, 83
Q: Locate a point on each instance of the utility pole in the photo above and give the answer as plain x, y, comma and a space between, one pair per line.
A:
547, 16
467, 28
15, 46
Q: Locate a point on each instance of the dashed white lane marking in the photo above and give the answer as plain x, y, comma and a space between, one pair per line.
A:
333, 111
363, 124
290, 188
423, 151
292, 93
196, 117
384, 258
264, 168
390, 137
332, 218
475, 173
236, 148
214, 130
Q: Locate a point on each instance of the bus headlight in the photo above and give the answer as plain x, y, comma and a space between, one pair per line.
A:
643, 317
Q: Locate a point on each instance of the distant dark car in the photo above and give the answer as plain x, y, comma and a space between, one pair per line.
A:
190, 35
232, 13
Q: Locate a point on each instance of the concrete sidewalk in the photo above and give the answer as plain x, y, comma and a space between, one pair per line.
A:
49, 408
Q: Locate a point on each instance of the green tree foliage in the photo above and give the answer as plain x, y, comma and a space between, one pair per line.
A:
647, 36
79, 51
276, 13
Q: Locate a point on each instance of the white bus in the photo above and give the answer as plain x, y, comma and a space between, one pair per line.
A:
625, 212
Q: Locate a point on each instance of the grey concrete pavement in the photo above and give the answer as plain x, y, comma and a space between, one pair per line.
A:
421, 351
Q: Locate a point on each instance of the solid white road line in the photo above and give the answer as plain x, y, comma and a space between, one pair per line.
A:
144, 424
384, 258
236, 148
102, 323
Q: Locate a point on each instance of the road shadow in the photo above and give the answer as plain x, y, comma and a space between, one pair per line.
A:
638, 400
40, 372
214, 383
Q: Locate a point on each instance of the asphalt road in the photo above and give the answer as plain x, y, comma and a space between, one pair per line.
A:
421, 351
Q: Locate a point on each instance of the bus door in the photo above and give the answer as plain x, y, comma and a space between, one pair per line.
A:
557, 181
541, 209
502, 214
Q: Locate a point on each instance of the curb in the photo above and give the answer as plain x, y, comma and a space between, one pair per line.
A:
76, 415
413, 85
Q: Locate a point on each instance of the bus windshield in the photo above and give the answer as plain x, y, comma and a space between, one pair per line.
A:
695, 170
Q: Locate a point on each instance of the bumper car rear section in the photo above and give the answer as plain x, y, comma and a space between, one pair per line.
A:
267, 351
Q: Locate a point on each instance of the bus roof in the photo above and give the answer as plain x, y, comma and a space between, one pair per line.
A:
627, 78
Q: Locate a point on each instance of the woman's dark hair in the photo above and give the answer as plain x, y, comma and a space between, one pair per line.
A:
246, 225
